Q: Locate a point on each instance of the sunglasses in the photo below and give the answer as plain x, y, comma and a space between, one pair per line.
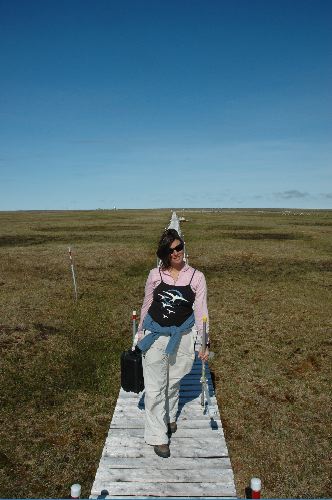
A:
178, 248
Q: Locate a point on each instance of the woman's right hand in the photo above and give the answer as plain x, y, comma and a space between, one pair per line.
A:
204, 356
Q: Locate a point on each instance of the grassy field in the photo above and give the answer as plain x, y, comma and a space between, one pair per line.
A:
269, 278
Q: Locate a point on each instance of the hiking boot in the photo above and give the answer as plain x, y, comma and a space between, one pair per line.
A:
172, 427
162, 450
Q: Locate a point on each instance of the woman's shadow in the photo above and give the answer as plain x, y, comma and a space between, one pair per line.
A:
190, 390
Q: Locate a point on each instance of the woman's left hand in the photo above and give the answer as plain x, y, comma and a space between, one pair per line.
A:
205, 356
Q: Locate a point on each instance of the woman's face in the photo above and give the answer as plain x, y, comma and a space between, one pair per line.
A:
177, 255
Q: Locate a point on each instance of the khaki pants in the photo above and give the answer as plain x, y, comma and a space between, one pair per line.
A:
162, 375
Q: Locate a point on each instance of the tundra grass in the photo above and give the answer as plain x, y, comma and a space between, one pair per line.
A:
269, 278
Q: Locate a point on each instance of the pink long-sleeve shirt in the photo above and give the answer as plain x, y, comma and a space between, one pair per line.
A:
198, 285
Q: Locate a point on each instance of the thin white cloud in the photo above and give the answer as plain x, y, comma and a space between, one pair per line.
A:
291, 193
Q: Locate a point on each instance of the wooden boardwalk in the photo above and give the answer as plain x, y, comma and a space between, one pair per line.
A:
199, 465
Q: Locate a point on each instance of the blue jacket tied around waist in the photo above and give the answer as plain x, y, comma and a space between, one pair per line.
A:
174, 332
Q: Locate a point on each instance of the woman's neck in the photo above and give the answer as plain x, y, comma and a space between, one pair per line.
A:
176, 267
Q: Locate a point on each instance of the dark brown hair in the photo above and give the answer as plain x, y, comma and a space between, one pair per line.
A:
164, 244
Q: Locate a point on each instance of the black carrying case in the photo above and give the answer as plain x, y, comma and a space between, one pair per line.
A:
132, 371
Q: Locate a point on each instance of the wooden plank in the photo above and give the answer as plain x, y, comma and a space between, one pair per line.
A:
185, 397
188, 384
196, 380
144, 451
193, 433
176, 463
194, 386
193, 401
186, 409
205, 441
197, 368
165, 489
189, 408
197, 373
155, 475
180, 447
198, 427
138, 423
188, 391
185, 413
99, 496
140, 497
128, 411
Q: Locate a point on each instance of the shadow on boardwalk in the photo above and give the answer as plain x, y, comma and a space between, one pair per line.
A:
190, 390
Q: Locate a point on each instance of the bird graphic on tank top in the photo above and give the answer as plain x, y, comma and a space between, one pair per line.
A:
169, 300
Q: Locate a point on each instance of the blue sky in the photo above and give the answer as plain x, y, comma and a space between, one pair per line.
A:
174, 103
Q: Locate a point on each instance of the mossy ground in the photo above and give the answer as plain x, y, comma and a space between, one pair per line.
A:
269, 279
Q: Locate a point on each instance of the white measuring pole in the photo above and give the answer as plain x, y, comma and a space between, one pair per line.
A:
75, 491
134, 318
73, 272
205, 386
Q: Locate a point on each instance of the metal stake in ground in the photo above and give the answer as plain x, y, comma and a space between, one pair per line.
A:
73, 272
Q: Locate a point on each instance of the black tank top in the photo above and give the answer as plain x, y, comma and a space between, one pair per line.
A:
171, 304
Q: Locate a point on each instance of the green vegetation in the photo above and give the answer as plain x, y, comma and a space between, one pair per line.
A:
269, 276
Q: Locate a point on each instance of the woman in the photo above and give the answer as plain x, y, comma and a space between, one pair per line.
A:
171, 324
